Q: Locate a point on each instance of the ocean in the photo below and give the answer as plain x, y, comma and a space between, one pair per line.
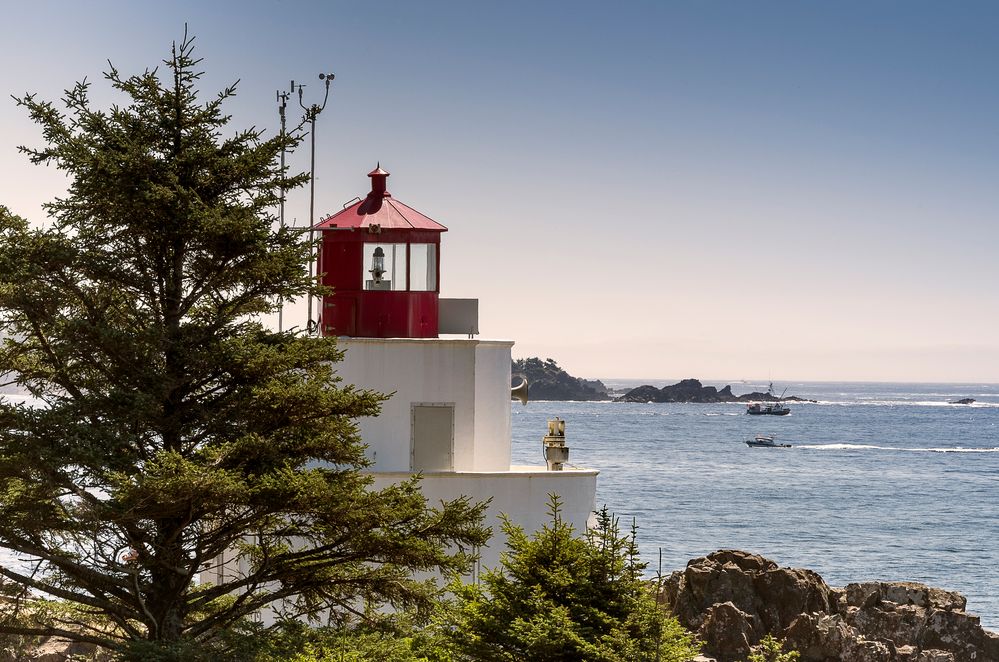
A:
883, 481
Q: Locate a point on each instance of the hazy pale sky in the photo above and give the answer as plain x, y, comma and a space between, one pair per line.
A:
718, 190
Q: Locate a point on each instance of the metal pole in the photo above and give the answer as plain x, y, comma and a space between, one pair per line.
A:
283, 101
311, 113
312, 217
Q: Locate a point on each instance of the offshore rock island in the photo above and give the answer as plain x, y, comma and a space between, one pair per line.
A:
691, 390
548, 381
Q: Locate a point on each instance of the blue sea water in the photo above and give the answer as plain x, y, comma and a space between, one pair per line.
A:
884, 481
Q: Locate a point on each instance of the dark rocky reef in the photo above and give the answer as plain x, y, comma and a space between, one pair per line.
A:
733, 599
687, 390
963, 401
691, 390
547, 381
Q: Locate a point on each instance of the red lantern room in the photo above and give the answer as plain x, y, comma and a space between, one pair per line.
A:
382, 259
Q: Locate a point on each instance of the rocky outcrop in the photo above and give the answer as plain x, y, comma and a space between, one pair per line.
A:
963, 401
547, 381
691, 390
732, 599
772, 596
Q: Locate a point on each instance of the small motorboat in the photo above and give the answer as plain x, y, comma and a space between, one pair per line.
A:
764, 441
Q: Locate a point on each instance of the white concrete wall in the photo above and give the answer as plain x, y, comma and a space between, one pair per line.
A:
492, 408
473, 375
521, 494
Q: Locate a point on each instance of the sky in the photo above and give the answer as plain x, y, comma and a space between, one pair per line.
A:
718, 190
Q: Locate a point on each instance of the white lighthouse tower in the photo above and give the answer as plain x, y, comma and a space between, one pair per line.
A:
449, 415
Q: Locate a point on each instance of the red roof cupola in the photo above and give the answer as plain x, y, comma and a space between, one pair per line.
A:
378, 177
382, 259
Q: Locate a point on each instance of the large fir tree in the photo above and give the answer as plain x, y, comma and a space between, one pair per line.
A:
167, 425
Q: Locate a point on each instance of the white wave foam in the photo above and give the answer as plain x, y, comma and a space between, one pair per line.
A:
848, 447
903, 403
842, 447
955, 450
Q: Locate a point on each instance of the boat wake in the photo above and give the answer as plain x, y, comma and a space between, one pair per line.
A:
903, 403
870, 447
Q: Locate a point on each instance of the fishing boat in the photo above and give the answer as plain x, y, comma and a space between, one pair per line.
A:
764, 441
772, 408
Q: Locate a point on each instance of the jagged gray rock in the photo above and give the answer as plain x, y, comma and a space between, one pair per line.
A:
829, 637
771, 595
732, 599
730, 628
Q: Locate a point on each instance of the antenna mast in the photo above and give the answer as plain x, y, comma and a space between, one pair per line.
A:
311, 113
282, 99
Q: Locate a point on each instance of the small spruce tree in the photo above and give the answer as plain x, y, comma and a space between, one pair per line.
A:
560, 597
169, 425
771, 649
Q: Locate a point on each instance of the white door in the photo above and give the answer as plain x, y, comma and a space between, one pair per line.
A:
433, 437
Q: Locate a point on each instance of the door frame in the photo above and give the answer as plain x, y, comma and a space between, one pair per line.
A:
412, 430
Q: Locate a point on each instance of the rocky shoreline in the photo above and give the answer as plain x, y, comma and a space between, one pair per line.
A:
732, 599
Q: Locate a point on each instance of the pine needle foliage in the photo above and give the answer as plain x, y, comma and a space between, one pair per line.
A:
167, 426
560, 597
380, 639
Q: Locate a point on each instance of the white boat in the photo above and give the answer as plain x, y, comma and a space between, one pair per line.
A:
774, 408
764, 441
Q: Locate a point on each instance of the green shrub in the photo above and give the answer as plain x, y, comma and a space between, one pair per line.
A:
771, 649
559, 596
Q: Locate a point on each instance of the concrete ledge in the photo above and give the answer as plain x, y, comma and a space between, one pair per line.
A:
522, 494
514, 471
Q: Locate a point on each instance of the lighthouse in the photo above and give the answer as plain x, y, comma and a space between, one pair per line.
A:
382, 258
448, 417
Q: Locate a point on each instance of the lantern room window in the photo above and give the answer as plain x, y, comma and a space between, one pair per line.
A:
423, 267
384, 267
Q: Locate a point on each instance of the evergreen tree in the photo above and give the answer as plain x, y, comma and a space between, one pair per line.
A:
380, 639
559, 597
173, 426
771, 649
